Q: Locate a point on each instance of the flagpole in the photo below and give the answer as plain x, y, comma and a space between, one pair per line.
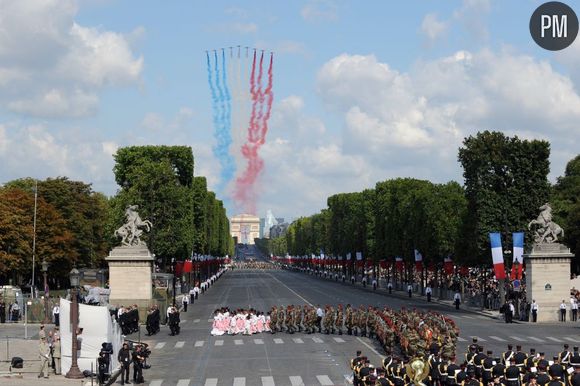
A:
32, 291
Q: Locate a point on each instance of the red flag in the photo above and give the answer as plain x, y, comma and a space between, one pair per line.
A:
384, 264
399, 264
178, 268
187, 266
448, 265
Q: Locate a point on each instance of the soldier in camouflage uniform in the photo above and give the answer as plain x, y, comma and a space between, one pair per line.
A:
274, 319
362, 321
290, 320
298, 318
281, 318
355, 317
348, 319
338, 321
327, 320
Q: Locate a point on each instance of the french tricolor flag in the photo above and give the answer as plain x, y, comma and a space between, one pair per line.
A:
518, 238
497, 255
418, 260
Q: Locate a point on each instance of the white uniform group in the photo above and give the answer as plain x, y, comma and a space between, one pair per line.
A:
246, 322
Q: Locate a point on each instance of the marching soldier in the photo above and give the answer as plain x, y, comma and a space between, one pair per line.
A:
498, 371
273, 320
290, 319
354, 363
512, 374
298, 318
574, 378
557, 379
507, 356
281, 318
339, 319
348, 319
564, 356
471, 380
542, 377
520, 358
452, 370
557, 369
487, 368
478, 362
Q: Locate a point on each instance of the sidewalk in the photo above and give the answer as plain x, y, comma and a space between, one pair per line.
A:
416, 296
14, 344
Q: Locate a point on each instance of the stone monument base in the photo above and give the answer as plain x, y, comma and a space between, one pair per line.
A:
130, 275
548, 279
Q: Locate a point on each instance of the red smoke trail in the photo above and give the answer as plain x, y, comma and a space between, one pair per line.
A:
245, 193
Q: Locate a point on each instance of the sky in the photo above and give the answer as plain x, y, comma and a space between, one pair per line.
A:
363, 91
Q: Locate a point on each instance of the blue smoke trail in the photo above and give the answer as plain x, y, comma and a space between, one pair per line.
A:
221, 120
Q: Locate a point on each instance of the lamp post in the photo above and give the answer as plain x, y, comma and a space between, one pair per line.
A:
74, 372
47, 319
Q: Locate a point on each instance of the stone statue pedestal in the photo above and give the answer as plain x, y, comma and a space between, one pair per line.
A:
130, 275
548, 279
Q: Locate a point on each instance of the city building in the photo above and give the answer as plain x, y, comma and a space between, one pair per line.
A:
245, 227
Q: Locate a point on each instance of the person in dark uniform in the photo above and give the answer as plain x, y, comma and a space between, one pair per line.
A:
138, 361
354, 363
471, 380
471, 351
507, 356
556, 380
124, 358
520, 358
574, 378
532, 359
487, 368
498, 371
452, 370
542, 377
2, 312
531, 380
557, 369
382, 379
364, 372
478, 362
564, 356
512, 374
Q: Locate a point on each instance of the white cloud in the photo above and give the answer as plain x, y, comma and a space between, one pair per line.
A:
432, 28
50, 66
320, 10
411, 123
472, 15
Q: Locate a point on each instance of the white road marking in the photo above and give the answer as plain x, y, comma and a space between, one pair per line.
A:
297, 340
197, 321
296, 380
156, 382
159, 345
570, 339
199, 343
210, 320
536, 339
258, 341
369, 347
211, 382
268, 381
338, 340
324, 380
497, 338
219, 343
182, 320
554, 339
183, 382
517, 338
467, 317
317, 340
460, 339
179, 344
238, 342
278, 341
240, 381
291, 290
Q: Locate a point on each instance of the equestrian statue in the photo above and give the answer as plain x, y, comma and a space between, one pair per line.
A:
131, 232
545, 230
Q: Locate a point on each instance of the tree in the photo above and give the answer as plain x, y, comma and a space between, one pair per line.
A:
54, 241
565, 198
505, 184
159, 180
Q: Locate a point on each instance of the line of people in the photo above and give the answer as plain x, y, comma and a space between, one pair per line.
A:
511, 368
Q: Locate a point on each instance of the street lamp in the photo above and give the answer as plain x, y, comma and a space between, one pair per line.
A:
44, 266
74, 372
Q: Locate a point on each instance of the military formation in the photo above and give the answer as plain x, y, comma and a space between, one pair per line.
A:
510, 368
128, 319
412, 331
